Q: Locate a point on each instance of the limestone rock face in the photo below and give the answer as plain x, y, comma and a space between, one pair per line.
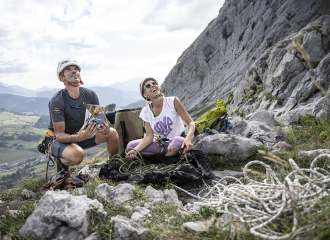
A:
242, 46
280, 80
59, 214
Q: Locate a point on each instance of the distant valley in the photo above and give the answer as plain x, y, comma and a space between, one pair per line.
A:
35, 102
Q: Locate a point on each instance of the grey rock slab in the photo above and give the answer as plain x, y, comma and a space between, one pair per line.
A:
265, 117
313, 46
124, 192
61, 214
233, 147
313, 153
142, 210
155, 196
196, 226
200, 226
171, 197
137, 217
104, 191
27, 194
126, 229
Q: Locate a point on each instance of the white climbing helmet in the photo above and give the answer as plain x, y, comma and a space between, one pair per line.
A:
64, 63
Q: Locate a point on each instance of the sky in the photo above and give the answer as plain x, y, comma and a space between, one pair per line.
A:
113, 41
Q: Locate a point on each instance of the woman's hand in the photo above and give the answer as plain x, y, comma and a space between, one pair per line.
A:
187, 142
131, 154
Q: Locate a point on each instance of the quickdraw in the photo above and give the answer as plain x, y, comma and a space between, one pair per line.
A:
161, 144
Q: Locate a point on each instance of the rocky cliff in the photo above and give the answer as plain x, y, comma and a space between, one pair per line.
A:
248, 40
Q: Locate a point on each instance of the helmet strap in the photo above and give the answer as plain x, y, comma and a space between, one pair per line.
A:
80, 83
65, 82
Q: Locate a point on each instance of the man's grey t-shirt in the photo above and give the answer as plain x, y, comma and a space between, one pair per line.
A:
63, 108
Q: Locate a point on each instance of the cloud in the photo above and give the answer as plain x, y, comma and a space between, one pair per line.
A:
113, 40
177, 15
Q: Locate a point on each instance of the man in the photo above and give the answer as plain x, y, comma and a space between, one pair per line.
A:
66, 138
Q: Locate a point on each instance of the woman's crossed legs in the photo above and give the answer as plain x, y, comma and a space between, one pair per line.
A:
171, 150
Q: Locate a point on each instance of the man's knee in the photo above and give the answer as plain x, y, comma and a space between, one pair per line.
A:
73, 154
113, 135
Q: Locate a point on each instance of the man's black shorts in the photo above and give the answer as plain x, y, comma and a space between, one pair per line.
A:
58, 148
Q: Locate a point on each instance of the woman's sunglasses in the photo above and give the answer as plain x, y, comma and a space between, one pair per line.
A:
149, 85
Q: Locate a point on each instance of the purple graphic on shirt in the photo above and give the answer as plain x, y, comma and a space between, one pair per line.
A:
164, 127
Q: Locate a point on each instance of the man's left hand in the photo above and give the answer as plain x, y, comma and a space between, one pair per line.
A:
104, 129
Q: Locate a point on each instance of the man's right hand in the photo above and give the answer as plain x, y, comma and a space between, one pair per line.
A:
87, 133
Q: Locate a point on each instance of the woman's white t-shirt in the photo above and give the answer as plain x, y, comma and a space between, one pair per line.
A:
168, 124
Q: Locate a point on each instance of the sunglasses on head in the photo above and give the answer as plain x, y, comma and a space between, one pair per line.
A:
149, 85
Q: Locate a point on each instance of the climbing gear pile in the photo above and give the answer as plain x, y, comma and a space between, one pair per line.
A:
191, 165
137, 166
266, 205
77, 182
60, 181
212, 118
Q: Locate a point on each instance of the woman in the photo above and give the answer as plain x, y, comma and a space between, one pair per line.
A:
163, 118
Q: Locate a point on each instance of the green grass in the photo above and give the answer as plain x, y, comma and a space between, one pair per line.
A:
10, 225
165, 223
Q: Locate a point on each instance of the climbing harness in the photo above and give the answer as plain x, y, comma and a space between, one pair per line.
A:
161, 142
42, 149
266, 205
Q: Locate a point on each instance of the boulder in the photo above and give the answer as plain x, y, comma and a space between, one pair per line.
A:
233, 147
119, 194
59, 214
142, 210
137, 217
313, 46
27, 194
200, 226
155, 195
105, 191
126, 229
124, 192
265, 117
259, 123
171, 197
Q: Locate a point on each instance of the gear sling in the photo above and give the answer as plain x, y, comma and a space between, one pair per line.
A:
42, 148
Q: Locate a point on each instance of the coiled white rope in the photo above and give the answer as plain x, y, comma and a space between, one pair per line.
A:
263, 205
